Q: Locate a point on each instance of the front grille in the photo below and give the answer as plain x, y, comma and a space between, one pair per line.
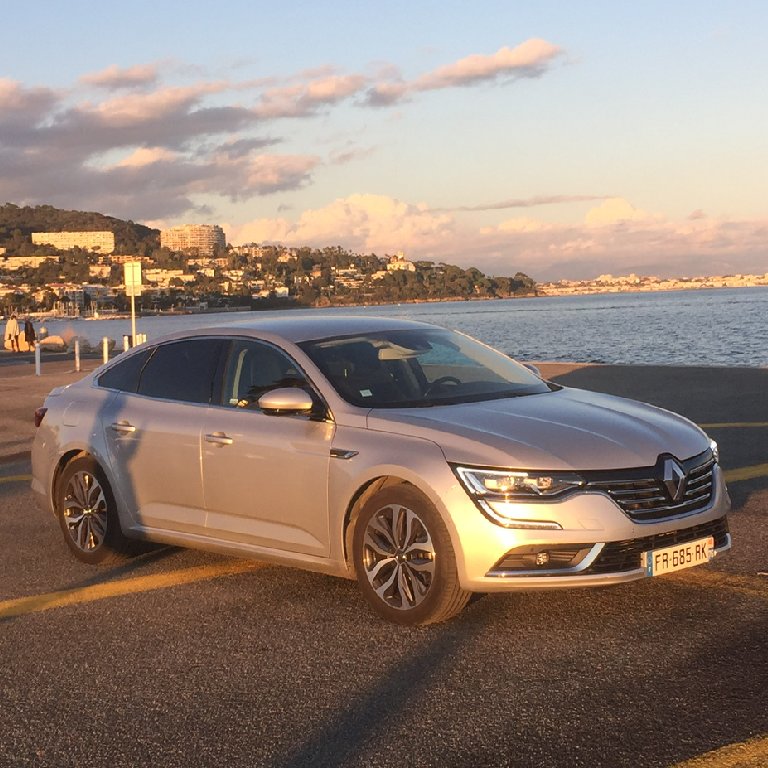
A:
643, 495
618, 556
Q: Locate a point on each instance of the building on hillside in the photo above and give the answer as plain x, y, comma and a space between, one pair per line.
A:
194, 239
399, 262
99, 271
128, 257
14, 263
103, 242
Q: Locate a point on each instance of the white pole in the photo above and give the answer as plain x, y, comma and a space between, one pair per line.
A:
133, 320
37, 359
105, 349
77, 355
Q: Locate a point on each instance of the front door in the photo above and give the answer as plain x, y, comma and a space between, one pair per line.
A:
265, 477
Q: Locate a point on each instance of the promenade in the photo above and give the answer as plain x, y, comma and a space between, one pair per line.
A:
162, 655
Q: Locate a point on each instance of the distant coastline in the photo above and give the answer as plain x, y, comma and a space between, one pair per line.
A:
545, 290
634, 284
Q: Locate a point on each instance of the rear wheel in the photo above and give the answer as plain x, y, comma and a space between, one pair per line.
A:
87, 514
404, 559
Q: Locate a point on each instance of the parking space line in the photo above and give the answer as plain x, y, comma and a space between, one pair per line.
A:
752, 753
735, 425
16, 479
35, 603
745, 473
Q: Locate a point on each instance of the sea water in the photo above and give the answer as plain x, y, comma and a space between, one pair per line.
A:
694, 327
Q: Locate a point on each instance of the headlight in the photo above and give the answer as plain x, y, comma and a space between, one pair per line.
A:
500, 493
715, 450
517, 486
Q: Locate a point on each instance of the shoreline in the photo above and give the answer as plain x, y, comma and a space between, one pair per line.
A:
539, 294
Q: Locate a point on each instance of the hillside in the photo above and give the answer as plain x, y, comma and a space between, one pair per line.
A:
18, 222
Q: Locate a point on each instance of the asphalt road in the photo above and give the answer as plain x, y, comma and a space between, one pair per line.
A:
183, 658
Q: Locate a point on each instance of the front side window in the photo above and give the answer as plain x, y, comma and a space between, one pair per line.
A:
182, 370
419, 368
254, 368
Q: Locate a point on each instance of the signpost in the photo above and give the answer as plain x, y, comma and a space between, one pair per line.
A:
133, 289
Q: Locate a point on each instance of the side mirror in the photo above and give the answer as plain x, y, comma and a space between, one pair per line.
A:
286, 400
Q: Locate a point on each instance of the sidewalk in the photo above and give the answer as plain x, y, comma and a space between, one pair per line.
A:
22, 392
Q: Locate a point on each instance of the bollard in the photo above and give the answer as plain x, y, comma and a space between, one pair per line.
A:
37, 359
105, 349
77, 355
126, 343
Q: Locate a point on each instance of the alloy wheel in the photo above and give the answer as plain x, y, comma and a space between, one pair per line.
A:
84, 511
398, 557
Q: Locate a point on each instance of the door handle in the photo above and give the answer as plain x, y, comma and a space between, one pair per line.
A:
219, 438
124, 427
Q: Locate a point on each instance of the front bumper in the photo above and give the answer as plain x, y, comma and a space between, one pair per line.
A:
597, 544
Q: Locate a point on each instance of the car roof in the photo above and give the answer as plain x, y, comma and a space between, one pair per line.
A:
307, 327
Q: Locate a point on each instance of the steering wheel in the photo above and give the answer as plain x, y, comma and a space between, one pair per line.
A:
437, 383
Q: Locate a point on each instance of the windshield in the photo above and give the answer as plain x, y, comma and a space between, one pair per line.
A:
418, 368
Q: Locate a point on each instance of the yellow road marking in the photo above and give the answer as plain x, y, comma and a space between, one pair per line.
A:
752, 753
15, 478
746, 473
36, 603
734, 424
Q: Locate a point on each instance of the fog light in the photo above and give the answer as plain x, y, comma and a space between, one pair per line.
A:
542, 558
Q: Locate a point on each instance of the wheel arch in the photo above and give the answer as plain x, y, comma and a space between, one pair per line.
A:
65, 459
360, 497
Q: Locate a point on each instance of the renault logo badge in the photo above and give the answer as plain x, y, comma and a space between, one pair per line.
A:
673, 478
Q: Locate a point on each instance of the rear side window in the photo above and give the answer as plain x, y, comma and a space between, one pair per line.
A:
182, 370
124, 375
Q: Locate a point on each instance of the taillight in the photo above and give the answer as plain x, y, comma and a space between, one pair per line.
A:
40, 415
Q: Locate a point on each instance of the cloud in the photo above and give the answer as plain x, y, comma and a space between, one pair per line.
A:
545, 250
615, 210
113, 78
147, 156
305, 99
618, 238
526, 202
22, 109
361, 222
123, 141
385, 94
531, 58
349, 155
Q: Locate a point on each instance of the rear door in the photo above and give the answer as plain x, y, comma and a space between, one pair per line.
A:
153, 435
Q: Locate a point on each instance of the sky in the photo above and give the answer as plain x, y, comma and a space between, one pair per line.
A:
562, 139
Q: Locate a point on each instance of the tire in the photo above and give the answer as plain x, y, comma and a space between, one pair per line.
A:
87, 514
404, 559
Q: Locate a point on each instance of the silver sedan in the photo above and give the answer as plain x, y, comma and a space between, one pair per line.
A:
417, 460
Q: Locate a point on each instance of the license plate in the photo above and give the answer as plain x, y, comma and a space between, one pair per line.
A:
670, 559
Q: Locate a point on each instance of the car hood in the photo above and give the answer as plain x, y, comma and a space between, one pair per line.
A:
562, 430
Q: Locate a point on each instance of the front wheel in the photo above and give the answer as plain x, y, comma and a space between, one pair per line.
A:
87, 514
404, 559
